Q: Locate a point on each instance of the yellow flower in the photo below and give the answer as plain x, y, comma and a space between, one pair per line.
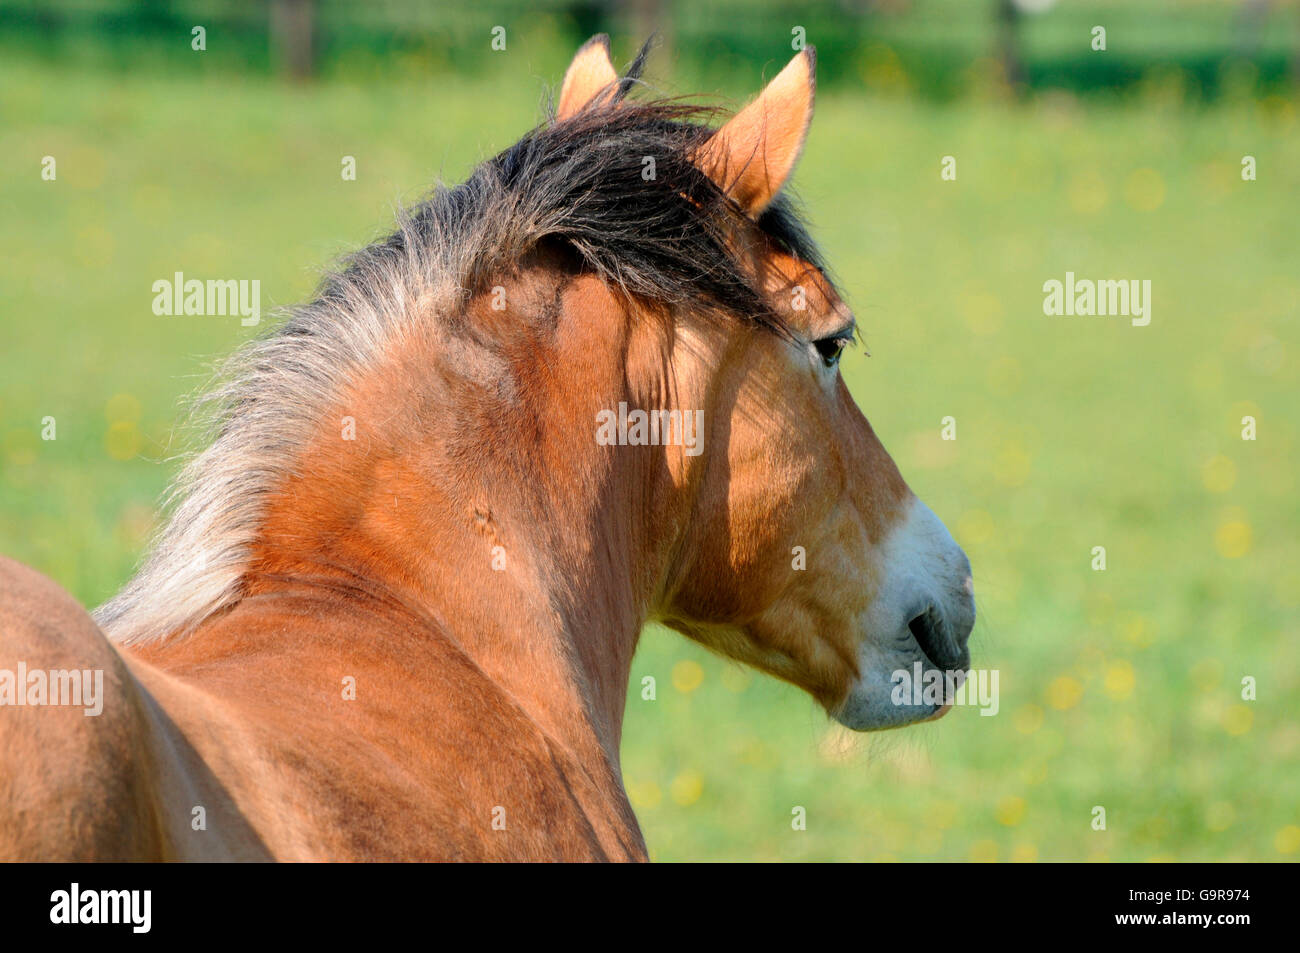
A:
1011, 811
1232, 539
1238, 719
1024, 854
1064, 692
123, 440
1120, 680
687, 788
644, 794
688, 675
1287, 840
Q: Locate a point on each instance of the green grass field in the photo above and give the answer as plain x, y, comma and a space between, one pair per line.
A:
1119, 689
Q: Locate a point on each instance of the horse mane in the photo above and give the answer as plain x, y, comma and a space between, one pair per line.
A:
615, 183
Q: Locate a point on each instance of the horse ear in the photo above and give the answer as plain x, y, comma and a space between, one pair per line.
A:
755, 151
591, 74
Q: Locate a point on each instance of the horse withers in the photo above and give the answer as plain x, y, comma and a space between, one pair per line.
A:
393, 611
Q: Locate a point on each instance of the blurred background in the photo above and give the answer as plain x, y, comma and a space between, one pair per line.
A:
938, 49
219, 153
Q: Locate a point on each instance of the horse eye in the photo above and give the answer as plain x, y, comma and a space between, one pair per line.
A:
830, 349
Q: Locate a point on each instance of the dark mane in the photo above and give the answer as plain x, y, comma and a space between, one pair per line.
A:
617, 185
665, 237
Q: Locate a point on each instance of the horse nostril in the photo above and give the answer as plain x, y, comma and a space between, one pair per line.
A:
936, 639
919, 625
925, 629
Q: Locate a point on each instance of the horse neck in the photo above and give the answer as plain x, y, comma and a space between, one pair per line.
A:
534, 548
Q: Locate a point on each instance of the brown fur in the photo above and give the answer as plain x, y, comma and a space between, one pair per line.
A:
480, 691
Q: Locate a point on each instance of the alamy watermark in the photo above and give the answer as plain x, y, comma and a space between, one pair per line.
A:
651, 428
921, 686
75, 687
229, 296
1083, 296
132, 908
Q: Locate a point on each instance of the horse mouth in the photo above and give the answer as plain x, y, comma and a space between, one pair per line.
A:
939, 649
939, 713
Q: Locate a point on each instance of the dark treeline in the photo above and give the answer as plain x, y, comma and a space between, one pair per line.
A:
938, 49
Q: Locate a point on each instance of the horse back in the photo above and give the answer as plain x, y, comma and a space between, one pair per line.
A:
75, 779
212, 749
332, 751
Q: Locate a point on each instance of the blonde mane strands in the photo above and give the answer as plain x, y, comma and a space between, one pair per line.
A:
577, 182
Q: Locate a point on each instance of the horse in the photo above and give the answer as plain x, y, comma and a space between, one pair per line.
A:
393, 610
